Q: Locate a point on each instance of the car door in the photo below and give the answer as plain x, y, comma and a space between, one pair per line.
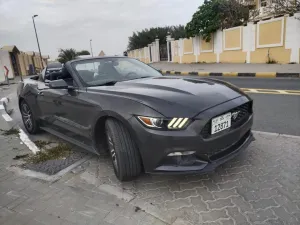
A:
72, 111
63, 109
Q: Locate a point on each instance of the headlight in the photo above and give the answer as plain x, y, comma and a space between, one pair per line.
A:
163, 123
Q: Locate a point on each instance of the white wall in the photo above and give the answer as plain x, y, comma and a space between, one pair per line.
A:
218, 44
292, 38
5, 61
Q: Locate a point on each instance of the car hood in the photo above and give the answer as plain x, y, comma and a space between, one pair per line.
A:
174, 95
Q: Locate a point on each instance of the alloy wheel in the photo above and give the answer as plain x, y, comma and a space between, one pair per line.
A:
112, 152
27, 116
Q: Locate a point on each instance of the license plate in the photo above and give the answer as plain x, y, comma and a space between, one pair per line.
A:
220, 123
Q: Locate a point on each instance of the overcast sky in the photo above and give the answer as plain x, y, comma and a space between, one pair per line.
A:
72, 23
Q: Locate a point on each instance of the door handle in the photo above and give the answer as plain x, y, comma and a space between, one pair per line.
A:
57, 102
41, 93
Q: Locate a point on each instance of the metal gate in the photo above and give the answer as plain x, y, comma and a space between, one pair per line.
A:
163, 52
170, 51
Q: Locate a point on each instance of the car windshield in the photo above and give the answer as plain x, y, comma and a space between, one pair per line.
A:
99, 71
54, 65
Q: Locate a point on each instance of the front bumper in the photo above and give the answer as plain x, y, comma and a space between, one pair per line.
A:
156, 145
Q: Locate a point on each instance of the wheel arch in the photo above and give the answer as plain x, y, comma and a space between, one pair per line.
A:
98, 130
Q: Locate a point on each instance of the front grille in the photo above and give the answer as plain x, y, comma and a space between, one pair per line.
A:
224, 152
245, 111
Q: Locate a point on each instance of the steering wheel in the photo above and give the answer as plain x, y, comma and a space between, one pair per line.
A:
130, 74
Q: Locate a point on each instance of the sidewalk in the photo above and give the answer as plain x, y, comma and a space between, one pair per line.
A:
230, 68
25, 200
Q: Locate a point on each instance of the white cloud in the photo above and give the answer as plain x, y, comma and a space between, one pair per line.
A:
72, 23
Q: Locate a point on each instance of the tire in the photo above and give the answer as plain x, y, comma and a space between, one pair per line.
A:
123, 151
30, 122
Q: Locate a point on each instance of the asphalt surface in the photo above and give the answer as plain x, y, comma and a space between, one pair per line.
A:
227, 67
264, 83
273, 113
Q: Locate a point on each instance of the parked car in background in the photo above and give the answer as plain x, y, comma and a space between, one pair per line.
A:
144, 120
50, 68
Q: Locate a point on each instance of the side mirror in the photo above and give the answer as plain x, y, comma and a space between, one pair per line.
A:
58, 84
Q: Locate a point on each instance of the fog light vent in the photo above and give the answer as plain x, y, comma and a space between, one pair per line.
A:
181, 153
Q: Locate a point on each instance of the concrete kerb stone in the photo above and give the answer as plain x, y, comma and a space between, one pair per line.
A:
234, 74
9, 124
45, 177
3, 105
6, 120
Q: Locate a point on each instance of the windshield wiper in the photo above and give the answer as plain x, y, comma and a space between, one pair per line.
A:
139, 78
108, 83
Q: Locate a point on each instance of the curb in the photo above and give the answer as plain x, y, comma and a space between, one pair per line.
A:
3, 104
233, 74
10, 124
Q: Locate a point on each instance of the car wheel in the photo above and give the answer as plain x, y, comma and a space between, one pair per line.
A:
28, 118
123, 151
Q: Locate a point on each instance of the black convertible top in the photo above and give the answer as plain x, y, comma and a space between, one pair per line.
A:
97, 57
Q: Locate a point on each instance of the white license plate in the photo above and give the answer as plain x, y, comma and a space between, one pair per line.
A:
220, 123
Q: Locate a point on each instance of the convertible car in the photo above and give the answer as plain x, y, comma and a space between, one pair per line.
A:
147, 122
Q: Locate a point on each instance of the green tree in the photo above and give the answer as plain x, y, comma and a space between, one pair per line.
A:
214, 15
66, 55
83, 52
142, 38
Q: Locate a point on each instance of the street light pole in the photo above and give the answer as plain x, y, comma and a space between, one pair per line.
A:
91, 47
37, 39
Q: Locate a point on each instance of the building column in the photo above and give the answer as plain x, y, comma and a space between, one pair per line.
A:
168, 38
157, 49
180, 50
172, 49
292, 36
196, 47
218, 44
153, 47
149, 53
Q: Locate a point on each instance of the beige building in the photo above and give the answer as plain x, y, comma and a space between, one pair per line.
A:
102, 53
23, 63
262, 9
13, 59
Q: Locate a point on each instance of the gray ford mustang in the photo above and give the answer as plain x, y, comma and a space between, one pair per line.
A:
144, 120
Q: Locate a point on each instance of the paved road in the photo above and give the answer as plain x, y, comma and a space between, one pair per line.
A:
264, 83
260, 186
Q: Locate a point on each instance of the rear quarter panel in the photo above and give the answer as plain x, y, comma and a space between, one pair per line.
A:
28, 90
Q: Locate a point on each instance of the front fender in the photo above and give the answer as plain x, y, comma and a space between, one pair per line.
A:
124, 118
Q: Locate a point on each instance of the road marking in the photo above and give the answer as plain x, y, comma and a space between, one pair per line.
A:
7, 117
28, 142
266, 74
230, 74
23, 136
203, 73
271, 91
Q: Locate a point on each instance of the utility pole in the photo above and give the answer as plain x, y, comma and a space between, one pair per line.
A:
37, 39
91, 48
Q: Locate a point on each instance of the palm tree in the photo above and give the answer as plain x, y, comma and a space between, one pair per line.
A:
66, 55
83, 52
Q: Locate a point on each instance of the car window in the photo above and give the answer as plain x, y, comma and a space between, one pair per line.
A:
98, 71
126, 67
